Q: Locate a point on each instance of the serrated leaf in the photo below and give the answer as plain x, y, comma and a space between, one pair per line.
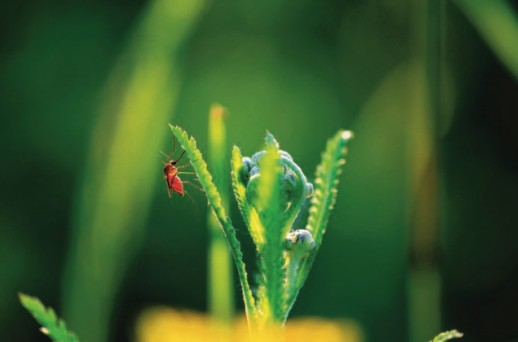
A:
447, 335
52, 325
200, 168
249, 214
239, 189
326, 182
323, 200
271, 217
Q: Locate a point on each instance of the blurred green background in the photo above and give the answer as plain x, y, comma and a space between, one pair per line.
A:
424, 233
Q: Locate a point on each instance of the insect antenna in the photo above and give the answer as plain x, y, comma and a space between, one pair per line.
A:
168, 157
181, 155
192, 199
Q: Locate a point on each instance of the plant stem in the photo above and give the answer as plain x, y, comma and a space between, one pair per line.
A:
220, 287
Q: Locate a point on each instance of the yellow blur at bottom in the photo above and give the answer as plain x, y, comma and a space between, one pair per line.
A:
166, 325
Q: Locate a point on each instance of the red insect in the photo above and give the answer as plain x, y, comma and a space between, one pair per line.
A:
171, 176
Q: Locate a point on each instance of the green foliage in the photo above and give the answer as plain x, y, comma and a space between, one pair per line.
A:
200, 168
52, 326
240, 170
447, 335
322, 203
270, 188
267, 202
326, 182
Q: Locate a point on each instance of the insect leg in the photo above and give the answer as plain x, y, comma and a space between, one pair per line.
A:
193, 185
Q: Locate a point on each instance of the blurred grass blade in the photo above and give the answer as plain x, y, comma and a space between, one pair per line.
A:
497, 22
220, 286
200, 168
52, 326
121, 170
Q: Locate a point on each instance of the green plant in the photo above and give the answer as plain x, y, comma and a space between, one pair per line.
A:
270, 189
447, 335
52, 326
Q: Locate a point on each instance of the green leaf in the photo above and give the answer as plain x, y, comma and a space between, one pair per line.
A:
323, 201
200, 168
52, 326
271, 216
326, 183
270, 188
249, 214
447, 335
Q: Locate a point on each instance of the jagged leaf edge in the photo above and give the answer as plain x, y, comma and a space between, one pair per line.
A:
272, 258
447, 335
327, 172
205, 178
251, 221
326, 182
46, 316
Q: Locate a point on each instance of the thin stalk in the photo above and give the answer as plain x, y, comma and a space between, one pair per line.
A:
220, 289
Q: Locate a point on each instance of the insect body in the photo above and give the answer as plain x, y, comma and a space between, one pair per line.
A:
173, 181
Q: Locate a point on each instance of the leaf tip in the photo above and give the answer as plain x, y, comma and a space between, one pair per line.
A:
448, 335
25, 299
347, 135
270, 140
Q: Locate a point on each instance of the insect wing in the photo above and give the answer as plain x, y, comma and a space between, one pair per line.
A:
177, 185
168, 187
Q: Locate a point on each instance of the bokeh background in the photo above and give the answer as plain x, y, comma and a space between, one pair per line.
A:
424, 234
